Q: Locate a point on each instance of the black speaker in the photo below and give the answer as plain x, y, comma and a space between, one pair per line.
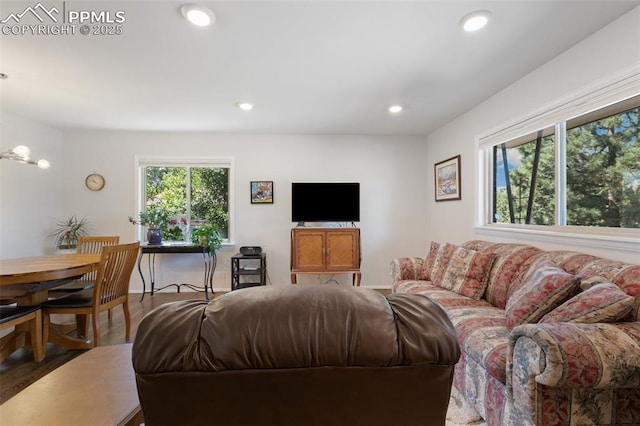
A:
251, 250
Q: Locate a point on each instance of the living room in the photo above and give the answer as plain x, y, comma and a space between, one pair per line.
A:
399, 215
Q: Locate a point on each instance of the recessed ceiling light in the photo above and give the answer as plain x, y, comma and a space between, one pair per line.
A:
245, 106
3, 76
395, 109
475, 20
197, 15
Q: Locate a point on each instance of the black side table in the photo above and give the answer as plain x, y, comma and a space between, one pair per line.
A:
252, 267
175, 248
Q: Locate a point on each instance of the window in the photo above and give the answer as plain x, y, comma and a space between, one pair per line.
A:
191, 192
603, 168
524, 180
583, 172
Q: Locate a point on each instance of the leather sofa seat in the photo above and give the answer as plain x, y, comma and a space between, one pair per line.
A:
296, 355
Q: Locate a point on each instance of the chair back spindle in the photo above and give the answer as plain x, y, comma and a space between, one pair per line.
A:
89, 244
114, 273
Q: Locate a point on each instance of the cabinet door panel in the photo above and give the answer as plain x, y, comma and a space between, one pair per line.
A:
342, 250
309, 250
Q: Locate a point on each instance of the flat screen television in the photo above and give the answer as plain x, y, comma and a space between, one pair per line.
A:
325, 202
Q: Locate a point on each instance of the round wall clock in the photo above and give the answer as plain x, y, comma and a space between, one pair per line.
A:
95, 182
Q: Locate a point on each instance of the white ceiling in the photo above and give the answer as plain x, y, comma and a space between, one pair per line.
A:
325, 67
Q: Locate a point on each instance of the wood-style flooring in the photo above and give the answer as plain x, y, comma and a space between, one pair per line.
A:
19, 370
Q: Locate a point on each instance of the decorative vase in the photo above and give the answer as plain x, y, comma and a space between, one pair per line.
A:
154, 236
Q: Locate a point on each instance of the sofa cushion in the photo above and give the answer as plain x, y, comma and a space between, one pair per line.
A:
603, 302
624, 275
416, 287
506, 266
448, 299
587, 283
407, 268
467, 271
487, 346
568, 260
436, 262
442, 296
467, 319
478, 245
543, 288
427, 267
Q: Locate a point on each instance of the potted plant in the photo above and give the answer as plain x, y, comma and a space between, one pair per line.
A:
177, 229
154, 219
68, 230
207, 236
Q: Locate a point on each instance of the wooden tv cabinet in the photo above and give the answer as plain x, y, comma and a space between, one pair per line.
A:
325, 251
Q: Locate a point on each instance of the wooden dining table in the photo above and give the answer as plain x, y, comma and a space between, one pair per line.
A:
27, 280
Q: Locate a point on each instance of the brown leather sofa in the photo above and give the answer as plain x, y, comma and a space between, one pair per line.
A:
296, 355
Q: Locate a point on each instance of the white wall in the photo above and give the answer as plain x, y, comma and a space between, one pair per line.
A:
30, 198
399, 215
614, 48
390, 170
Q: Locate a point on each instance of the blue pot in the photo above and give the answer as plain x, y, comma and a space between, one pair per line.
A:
154, 236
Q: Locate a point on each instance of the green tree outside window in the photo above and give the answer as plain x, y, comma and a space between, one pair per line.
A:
199, 194
603, 175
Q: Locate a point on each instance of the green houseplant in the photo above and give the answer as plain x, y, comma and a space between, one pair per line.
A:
154, 219
207, 236
68, 230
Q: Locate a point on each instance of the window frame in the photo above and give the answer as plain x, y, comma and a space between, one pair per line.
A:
142, 161
601, 94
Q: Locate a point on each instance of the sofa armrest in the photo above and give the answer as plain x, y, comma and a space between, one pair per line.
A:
406, 268
560, 368
578, 355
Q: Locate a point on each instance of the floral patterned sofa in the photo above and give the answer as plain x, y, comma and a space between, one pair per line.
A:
547, 337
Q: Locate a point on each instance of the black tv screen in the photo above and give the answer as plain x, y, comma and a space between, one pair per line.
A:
325, 202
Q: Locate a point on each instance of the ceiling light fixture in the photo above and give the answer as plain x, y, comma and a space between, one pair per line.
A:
394, 109
198, 15
21, 154
475, 20
245, 106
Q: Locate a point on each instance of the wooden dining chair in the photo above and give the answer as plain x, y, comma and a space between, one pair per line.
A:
110, 290
86, 244
15, 316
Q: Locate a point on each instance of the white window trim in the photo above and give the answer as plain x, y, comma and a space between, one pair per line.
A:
622, 85
146, 160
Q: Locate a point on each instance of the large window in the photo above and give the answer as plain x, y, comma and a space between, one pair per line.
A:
584, 172
192, 193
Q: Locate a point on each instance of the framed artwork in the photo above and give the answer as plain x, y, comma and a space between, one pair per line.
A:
262, 192
447, 178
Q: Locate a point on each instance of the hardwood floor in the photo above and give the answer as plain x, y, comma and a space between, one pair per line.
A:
20, 370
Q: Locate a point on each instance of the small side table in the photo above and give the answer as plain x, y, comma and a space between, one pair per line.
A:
253, 267
175, 248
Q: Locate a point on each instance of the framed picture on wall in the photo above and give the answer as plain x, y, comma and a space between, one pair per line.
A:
262, 192
447, 179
